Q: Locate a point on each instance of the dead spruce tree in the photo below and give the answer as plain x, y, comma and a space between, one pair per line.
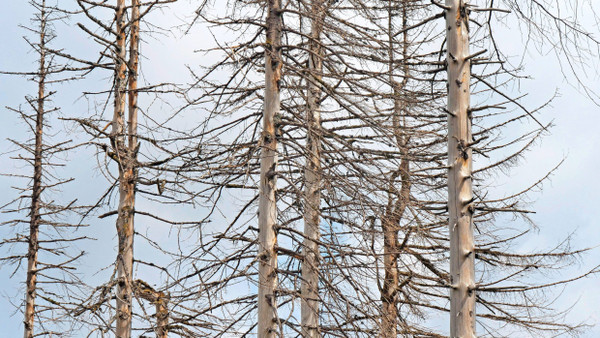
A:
423, 248
142, 171
232, 165
460, 168
322, 166
362, 109
351, 126
312, 176
125, 146
267, 209
51, 255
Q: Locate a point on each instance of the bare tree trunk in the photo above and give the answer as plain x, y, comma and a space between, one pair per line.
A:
391, 227
395, 209
32, 252
267, 209
312, 177
126, 156
460, 191
389, 291
134, 56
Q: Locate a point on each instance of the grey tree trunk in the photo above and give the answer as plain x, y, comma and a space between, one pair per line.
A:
267, 209
134, 45
126, 158
460, 191
312, 178
34, 224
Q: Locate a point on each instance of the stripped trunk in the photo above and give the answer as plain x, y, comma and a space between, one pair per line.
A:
267, 209
312, 177
397, 201
34, 224
126, 157
460, 191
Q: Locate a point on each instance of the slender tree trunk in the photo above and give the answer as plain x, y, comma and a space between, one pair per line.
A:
460, 191
267, 209
391, 227
312, 178
134, 56
397, 203
32, 252
126, 155
389, 291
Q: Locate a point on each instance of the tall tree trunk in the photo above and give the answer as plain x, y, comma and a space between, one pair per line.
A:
134, 56
312, 178
397, 201
126, 155
34, 224
267, 209
460, 191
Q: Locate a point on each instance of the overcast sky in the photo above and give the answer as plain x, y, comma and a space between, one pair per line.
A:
569, 203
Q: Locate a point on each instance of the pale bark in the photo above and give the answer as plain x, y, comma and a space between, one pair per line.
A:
312, 178
126, 155
34, 224
267, 217
460, 192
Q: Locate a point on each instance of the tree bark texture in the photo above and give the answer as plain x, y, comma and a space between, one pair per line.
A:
160, 300
126, 154
134, 57
34, 224
267, 209
398, 200
391, 227
162, 316
312, 178
460, 191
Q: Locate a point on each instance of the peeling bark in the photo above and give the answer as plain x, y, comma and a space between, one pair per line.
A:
267, 218
127, 160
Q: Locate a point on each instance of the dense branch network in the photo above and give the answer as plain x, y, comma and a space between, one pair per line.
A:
341, 157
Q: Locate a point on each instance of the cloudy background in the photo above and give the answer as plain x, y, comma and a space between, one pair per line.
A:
569, 203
